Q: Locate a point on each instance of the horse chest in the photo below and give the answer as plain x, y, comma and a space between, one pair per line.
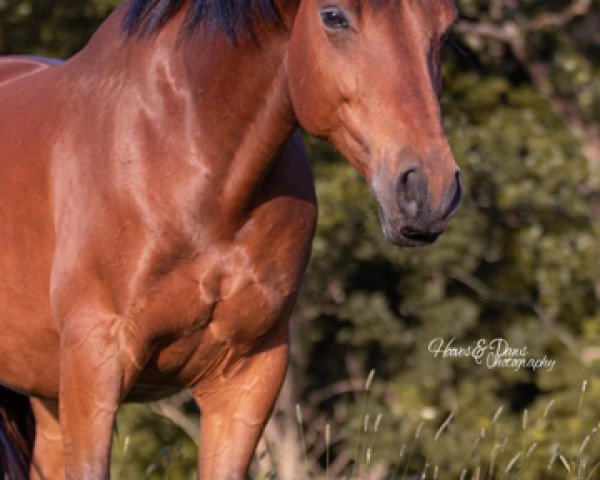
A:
208, 338
233, 298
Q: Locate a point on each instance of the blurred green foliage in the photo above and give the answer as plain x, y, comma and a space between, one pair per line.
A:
49, 28
519, 261
147, 445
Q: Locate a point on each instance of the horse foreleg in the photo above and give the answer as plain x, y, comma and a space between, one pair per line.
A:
235, 410
47, 462
94, 375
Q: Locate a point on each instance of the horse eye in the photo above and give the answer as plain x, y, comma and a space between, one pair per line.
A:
335, 18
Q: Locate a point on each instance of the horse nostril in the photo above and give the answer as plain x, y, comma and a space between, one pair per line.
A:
455, 198
411, 192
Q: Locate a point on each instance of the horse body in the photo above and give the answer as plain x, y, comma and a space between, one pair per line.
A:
27, 232
158, 211
119, 232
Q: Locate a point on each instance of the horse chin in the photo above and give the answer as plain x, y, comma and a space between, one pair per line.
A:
397, 238
402, 236
401, 240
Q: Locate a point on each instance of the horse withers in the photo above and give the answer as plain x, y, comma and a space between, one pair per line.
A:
158, 206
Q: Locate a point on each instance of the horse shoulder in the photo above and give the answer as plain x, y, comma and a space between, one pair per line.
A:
246, 287
271, 252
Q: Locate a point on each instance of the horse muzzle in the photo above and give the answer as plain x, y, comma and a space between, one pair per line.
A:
408, 217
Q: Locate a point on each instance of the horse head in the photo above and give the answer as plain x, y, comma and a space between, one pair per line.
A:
365, 75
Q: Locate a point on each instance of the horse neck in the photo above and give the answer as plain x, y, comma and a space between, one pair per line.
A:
226, 103
243, 90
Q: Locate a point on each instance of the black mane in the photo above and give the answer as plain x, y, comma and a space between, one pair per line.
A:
234, 17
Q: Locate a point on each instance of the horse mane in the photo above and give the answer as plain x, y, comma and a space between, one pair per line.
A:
234, 17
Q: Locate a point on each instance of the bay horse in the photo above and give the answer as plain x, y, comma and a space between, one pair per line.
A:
158, 206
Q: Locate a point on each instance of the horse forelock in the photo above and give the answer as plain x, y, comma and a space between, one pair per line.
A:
234, 17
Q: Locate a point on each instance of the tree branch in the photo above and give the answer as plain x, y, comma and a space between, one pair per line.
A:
515, 34
560, 19
174, 413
